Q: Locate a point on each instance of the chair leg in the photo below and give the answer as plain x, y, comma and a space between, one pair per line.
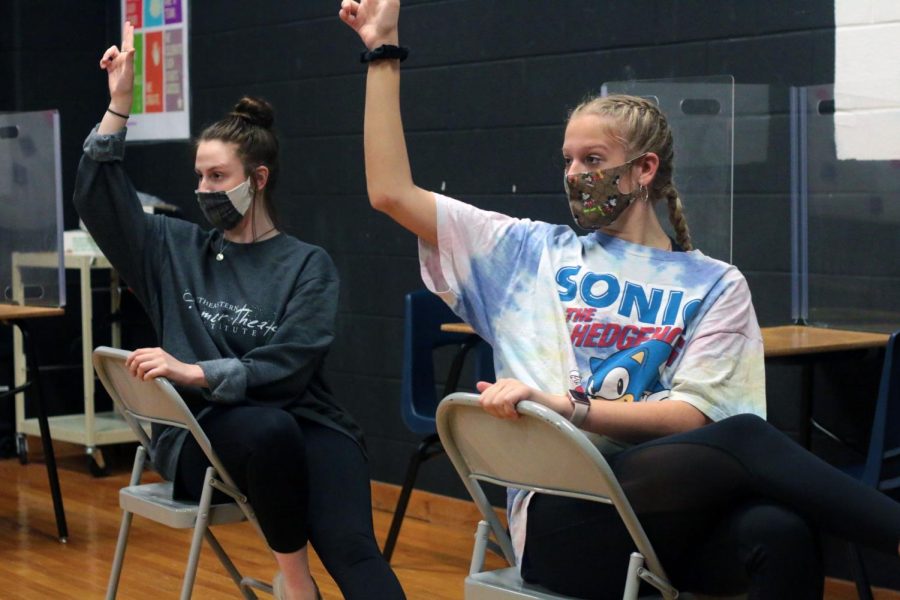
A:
428, 448
47, 443
113, 586
197, 539
119, 558
632, 579
228, 564
478, 551
858, 568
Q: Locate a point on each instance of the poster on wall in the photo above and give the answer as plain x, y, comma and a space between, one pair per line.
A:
161, 107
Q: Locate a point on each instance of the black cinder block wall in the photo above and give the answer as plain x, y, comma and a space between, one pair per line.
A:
485, 94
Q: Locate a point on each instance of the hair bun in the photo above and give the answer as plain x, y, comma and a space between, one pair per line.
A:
255, 111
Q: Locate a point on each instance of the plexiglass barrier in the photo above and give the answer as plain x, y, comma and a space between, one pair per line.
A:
762, 197
850, 217
31, 240
700, 112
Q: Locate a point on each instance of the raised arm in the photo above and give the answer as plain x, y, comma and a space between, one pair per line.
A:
388, 175
119, 66
104, 196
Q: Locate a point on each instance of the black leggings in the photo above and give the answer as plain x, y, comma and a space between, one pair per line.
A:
731, 507
306, 482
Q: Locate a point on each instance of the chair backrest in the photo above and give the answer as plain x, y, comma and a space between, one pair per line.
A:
151, 401
882, 467
424, 313
539, 451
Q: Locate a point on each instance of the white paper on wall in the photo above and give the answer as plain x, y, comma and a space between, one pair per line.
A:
867, 79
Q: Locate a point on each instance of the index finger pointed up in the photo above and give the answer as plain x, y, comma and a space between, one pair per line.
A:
127, 37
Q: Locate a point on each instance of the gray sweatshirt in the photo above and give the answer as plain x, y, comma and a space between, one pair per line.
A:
258, 323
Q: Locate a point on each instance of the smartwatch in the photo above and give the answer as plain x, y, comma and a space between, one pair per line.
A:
581, 404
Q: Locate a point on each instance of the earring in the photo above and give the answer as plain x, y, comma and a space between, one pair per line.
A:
643, 193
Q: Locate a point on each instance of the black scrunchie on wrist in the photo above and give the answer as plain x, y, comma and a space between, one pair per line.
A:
386, 51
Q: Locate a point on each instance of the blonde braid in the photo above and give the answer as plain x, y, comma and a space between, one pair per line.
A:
677, 218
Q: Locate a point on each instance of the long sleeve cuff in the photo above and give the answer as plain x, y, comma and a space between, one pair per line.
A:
227, 379
105, 147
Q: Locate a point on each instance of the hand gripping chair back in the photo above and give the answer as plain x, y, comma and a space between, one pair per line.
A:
156, 401
424, 313
527, 453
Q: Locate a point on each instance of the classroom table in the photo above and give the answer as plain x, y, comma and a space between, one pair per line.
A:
18, 316
800, 342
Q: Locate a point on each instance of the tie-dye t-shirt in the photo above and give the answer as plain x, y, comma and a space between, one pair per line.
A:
617, 320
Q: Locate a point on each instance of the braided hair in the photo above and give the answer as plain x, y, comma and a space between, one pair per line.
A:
641, 127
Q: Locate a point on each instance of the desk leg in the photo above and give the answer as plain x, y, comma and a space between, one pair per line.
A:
46, 441
115, 309
804, 431
456, 366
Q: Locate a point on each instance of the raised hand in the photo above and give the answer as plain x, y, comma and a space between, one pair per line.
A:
119, 66
375, 21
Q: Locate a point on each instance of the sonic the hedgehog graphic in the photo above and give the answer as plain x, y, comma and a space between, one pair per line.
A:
629, 375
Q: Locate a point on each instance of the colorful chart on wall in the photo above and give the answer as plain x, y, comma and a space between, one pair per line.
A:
161, 107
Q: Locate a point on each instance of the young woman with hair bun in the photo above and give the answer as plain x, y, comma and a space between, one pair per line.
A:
245, 315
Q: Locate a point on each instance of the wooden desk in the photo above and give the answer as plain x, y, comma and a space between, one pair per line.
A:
12, 312
784, 340
794, 340
18, 317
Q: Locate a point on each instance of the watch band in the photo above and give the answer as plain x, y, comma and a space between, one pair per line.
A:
581, 405
384, 51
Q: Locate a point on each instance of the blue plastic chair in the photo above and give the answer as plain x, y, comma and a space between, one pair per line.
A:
881, 468
423, 316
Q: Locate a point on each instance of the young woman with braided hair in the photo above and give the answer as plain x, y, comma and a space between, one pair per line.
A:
647, 345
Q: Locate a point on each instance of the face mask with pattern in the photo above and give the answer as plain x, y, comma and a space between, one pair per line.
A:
224, 210
595, 198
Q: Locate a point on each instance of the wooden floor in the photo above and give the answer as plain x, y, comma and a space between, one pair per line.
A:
431, 558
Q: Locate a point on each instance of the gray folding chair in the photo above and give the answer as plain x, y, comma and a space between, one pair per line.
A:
156, 401
527, 453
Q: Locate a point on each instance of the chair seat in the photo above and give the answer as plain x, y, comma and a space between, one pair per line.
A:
154, 501
503, 584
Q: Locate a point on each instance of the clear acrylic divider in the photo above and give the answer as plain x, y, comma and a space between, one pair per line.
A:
31, 223
851, 279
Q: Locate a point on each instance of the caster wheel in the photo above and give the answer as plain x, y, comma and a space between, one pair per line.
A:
96, 464
22, 449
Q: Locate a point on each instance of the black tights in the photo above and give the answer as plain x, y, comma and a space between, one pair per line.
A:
305, 482
734, 506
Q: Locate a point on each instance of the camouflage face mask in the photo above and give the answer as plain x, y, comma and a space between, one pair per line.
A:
595, 198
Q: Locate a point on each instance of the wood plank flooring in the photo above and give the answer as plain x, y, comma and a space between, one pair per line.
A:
431, 559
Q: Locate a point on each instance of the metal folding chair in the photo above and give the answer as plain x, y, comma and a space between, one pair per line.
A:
156, 401
526, 453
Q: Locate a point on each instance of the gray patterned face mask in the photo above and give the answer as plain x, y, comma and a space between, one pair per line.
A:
595, 198
224, 210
